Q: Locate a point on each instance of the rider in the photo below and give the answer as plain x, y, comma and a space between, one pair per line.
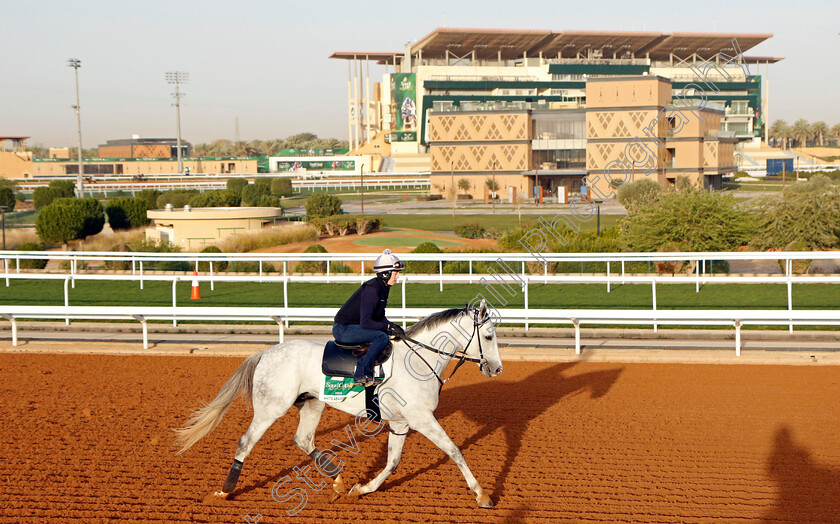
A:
362, 317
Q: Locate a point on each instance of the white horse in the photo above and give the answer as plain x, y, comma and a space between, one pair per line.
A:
289, 374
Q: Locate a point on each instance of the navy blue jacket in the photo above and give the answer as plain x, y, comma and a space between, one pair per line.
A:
366, 306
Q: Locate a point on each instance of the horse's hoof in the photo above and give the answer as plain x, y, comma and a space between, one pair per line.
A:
221, 494
339, 487
484, 501
355, 491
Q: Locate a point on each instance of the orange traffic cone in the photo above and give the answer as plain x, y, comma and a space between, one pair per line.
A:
195, 294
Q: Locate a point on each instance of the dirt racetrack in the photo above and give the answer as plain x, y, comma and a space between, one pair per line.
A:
88, 438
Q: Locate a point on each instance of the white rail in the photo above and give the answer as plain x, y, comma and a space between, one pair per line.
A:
576, 317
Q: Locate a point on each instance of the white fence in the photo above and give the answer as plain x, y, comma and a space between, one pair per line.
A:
511, 274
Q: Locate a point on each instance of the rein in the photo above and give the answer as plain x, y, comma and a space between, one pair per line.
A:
463, 353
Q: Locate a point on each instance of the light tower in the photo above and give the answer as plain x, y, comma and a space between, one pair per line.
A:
75, 63
178, 78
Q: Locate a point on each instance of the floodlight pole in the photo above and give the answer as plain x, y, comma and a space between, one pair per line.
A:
362, 186
177, 78
75, 63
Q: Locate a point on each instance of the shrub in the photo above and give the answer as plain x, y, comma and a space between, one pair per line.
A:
798, 267
150, 246
7, 198
465, 197
252, 193
470, 231
236, 184
43, 196
322, 205
149, 197
808, 212
63, 188
493, 232
177, 198
242, 266
345, 224
217, 265
119, 265
264, 181
691, 218
20, 197
69, 219
281, 187
455, 266
312, 266
636, 195
426, 198
423, 266
126, 213
268, 201
221, 198
269, 237
33, 263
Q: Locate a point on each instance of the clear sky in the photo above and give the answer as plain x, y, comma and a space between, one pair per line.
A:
266, 63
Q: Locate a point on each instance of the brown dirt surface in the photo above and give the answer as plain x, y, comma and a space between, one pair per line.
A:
88, 438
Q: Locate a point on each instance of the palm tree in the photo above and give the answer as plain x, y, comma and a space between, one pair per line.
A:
819, 129
801, 132
780, 131
463, 185
835, 130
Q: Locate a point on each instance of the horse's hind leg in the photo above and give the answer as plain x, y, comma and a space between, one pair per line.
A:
264, 417
395, 447
310, 416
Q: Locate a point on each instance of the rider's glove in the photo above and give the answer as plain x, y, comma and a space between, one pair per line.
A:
396, 331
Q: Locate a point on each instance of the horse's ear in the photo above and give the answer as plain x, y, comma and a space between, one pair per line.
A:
482, 309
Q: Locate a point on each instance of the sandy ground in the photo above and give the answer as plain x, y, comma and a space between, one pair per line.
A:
88, 438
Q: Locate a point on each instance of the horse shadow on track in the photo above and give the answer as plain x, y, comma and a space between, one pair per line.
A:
808, 492
508, 410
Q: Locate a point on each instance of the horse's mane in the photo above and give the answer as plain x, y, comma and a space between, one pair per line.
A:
434, 320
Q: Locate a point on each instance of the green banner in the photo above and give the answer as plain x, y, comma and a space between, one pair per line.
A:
403, 104
317, 165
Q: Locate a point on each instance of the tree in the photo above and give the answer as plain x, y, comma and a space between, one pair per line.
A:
424, 266
312, 266
780, 131
638, 195
67, 219
835, 130
221, 198
43, 196
819, 130
177, 198
7, 198
801, 132
127, 213
464, 185
807, 212
692, 218
252, 193
63, 188
281, 186
149, 196
322, 205
236, 184
11, 184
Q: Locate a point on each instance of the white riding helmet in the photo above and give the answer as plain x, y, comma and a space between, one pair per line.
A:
387, 262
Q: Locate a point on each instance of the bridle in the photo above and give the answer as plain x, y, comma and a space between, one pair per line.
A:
461, 354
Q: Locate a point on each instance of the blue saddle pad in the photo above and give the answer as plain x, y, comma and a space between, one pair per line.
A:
340, 361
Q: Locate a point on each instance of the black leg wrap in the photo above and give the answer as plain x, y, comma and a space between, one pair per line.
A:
325, 465
233, 477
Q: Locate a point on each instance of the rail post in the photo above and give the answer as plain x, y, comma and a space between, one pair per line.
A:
141, 277
174, 302
66, 298
653, 294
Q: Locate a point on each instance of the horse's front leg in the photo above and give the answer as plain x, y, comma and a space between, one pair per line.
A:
432, 430
395, 447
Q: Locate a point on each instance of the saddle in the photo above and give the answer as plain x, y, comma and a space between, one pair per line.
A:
340, 358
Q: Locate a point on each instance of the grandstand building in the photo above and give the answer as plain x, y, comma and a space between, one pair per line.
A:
535, 87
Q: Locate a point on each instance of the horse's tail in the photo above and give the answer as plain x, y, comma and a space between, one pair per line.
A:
205, 420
